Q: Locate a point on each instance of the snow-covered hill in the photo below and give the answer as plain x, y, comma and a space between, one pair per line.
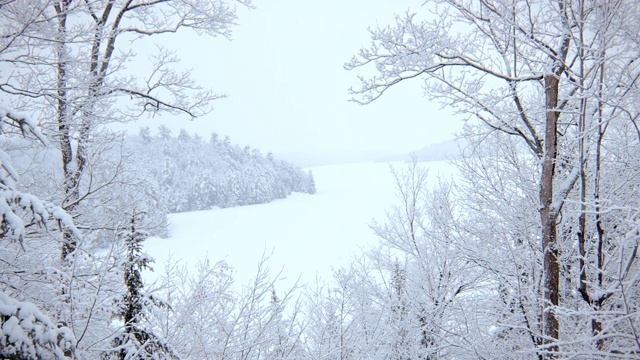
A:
307, 235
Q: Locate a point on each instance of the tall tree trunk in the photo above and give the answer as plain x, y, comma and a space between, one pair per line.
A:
548, 210
70, 185
596, 326
548, 215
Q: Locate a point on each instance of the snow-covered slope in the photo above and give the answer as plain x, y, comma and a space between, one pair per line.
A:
306, 234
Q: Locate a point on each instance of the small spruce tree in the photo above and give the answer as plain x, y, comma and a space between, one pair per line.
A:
312, 184
136, 340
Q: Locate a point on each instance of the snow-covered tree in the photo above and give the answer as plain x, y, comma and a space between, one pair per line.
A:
311, 187
25, 332
433, 282
137, 340
19, 209
554, 85
210, 317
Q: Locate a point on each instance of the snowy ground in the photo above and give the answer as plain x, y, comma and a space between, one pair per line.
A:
307, 235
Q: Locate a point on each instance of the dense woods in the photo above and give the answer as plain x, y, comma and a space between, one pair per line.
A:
187, 173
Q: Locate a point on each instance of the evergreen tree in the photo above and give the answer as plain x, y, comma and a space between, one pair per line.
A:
137, 340
312, 184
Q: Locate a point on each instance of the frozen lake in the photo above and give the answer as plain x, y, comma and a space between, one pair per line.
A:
306, 235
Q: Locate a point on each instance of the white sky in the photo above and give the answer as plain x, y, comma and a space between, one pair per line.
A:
283, 72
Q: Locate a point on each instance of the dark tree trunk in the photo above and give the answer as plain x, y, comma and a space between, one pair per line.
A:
548, 215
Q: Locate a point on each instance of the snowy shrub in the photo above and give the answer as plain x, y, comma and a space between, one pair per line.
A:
26, 333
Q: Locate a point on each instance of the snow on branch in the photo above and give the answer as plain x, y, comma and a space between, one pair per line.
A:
26, 333
412, 48
15, 204
204, 16
14, 119
563, 189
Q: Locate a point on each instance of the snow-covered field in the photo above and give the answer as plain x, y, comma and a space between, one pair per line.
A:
306, 235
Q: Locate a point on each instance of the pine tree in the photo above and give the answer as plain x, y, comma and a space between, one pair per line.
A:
312, 184
136, 340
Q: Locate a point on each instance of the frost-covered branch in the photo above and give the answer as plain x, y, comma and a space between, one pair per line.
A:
17, 208
26, 333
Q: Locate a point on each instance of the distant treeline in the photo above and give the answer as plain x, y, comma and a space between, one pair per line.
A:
188, 173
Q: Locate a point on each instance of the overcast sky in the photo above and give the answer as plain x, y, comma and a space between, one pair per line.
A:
287, 88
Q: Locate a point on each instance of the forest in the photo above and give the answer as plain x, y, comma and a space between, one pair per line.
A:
530, 253
221, 174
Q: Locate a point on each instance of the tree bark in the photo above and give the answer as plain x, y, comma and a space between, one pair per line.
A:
551, 268
64, 137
